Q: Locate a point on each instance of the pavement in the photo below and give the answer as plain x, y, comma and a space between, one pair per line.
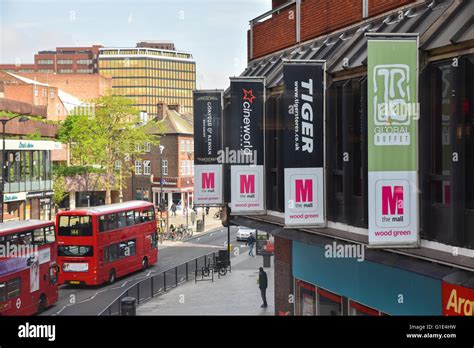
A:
236, 293
210, 223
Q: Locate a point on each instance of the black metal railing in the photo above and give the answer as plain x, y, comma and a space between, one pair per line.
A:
159, 283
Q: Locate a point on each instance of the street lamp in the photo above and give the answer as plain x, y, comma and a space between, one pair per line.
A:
2, 179
88, 200
161, 184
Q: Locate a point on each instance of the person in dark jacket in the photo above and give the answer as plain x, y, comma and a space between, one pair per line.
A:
250, 242
262, 284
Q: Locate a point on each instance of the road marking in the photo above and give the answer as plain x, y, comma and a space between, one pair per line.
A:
148, 274
211, 234
124, 283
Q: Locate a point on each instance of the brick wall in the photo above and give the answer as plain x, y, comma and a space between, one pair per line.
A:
318, 17
82, 86
380, 6
283, 276
275, 33
322, 16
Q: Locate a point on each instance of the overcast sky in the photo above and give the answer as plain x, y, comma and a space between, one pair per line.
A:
214, 31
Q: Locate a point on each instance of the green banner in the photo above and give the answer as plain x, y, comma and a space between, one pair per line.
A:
393, 104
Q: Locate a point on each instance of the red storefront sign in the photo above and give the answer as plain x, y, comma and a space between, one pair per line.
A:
457, 300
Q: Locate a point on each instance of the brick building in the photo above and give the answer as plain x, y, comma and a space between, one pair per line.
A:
307, 282
178, 162
64, 60
15, 87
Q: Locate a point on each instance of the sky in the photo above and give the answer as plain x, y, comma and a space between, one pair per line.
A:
213, 31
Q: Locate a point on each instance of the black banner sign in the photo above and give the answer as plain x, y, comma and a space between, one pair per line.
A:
304, 144
303, 115
245, 127
207, 126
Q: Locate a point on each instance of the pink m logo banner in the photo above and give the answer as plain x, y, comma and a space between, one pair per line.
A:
392, 199
207, 180
304, 190
247, 183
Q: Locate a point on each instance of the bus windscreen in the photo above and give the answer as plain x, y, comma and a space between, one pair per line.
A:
75, 226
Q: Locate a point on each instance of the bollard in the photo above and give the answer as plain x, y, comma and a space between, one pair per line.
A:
129, 307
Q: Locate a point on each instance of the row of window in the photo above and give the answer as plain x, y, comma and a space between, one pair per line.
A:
45, 61
153, 83
148, 73
44, 92
38, 236
113, 221
146, 167
147, 63
25, 166
147, 52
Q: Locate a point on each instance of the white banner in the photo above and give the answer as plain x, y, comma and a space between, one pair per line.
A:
304, 194
208, 184
393, 197
247, 189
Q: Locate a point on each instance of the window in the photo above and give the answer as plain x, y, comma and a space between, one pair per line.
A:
468, 110
358, 309
120, 250
13, 288
183, 168
130, 218
306, 299
188, 167
147, 147
183, 145
122, 221
84, 61
51, 93
85, 71
111, 221
36, 91
118, 165
49, 234
64, 61
75, 250
38, 236
138, 167
147, 215
329, 303
66, 71
45, 61
165, 167
73, 226
147, 167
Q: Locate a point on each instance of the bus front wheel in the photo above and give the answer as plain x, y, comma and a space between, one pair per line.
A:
112, 277
144, 263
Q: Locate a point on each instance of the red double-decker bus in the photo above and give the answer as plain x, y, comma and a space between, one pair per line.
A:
100, 244
28, 269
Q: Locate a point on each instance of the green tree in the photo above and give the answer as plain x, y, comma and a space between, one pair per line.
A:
59, 188
109, 137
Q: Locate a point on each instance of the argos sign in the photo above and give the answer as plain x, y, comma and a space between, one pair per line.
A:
457, 300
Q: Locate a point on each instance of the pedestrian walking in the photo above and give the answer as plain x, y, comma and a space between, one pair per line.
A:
250, 243
173, 209
262, 284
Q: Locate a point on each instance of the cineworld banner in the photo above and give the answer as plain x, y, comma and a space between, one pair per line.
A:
303, 155
245, 130
393, 113
207, 147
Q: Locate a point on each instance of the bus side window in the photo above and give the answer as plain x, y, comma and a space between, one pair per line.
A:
102, 224
3, 292
122, 221
50, 236
14, 287
112, 222
137, 217
38, 236
130, 218
151, 214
